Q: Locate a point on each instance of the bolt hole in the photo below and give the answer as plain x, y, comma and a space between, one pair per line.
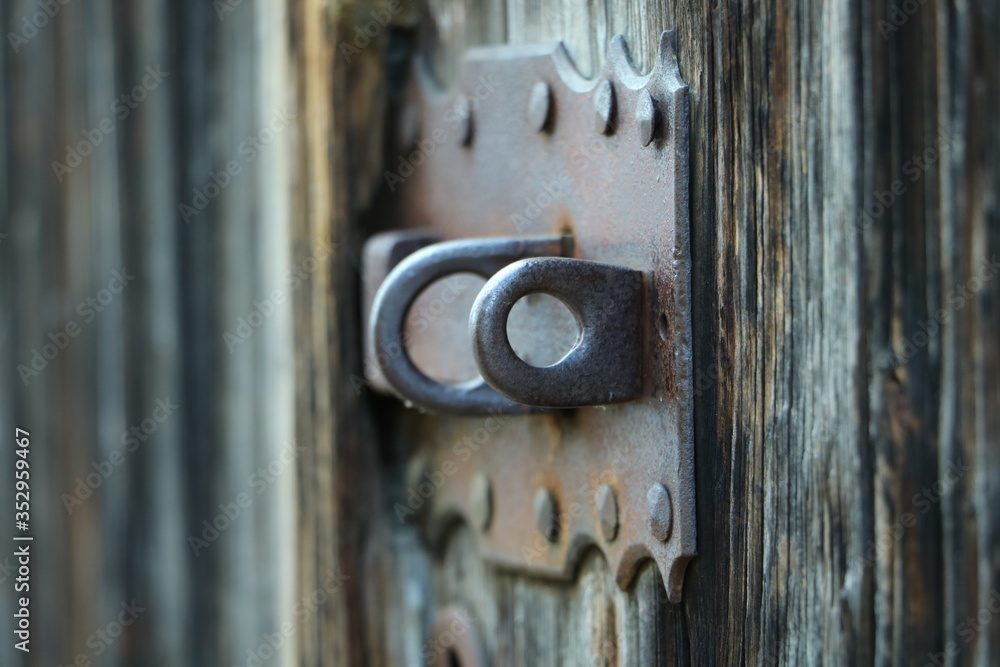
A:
439, 320
662, 326
542, 330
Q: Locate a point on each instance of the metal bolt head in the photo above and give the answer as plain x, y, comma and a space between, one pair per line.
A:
661, 512
547, 514
540, 105
604, 106
607, 511
646, 117
481, 500
463, 107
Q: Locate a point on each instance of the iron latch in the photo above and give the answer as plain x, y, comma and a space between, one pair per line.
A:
575, 188
603, 367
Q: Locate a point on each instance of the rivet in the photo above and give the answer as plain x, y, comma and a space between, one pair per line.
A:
540, 105
646, 116
463, 107
481, 500
547, 514
604, 105
661, 512
607, 511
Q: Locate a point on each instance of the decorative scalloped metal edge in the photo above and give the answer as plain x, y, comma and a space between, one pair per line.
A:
670, 462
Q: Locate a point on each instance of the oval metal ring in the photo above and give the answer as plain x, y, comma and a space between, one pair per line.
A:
402, 287
604, 367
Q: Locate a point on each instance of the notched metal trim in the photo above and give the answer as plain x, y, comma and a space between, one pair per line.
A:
615, 177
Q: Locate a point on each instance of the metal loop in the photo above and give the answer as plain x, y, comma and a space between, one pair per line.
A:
401, 288
604, 367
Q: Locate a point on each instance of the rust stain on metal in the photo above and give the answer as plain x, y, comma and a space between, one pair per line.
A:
623, 194
604, 367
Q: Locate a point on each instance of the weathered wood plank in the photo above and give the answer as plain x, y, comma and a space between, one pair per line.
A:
823, 428
160, 339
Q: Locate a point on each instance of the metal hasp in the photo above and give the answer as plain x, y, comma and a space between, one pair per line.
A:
522, 145
386, 328
604, 367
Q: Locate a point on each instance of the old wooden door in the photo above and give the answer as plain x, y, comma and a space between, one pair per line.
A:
843, 222
844, 227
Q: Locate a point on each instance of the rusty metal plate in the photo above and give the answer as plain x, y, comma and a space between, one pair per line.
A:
525, 145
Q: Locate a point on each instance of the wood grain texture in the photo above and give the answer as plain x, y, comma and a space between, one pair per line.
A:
342, 96
848, 407
160, 338
834, 410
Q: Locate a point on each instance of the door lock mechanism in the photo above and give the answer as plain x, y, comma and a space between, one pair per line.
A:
603, 367
544, 182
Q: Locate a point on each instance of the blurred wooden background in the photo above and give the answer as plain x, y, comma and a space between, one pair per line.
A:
221, 77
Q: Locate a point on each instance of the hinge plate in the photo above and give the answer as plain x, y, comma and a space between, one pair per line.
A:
523, 145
